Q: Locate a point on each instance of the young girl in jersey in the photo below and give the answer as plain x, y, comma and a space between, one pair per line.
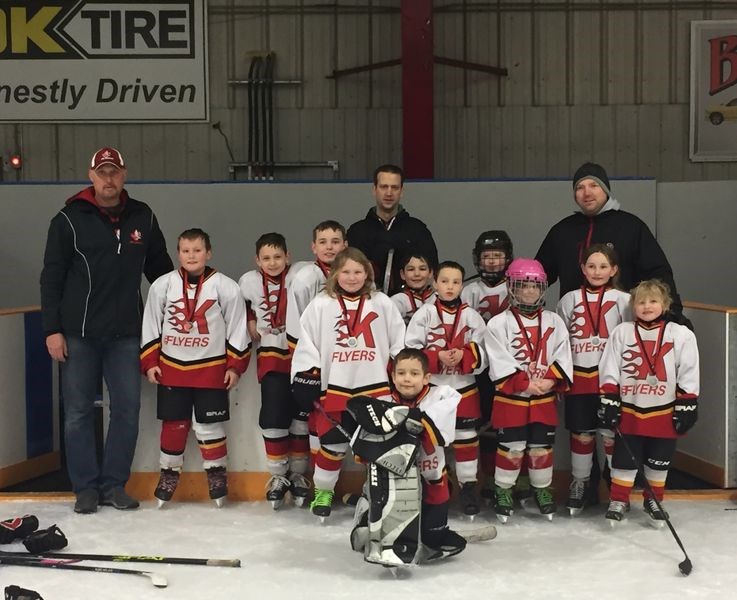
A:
590, 314
417, 275
529, 363
349, 333
649, 376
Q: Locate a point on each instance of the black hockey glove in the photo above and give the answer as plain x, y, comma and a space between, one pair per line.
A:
17, 528
685, 414
45, 540
14, 592
609, 410
306, 390
678, 318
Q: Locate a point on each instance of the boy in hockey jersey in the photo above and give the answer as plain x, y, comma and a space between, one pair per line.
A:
349, 333
590, 314
452, 335
195, 346
435, 408
529, 363
487, 295
417, 275
328, 239
284, 430
649, 376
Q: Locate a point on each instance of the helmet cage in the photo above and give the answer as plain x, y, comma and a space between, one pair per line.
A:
492, 240
518, 289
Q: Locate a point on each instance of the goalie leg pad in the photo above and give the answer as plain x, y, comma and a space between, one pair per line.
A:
394, 517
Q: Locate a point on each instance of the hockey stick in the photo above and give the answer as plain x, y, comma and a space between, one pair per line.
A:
32, 561
167, 560
685, 566
480, 534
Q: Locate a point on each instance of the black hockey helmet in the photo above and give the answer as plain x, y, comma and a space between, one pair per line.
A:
493, 240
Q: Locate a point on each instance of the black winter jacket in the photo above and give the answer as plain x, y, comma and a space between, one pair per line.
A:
640, 256
91, 280
405, 234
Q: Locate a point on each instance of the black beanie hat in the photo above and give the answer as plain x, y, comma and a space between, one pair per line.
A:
593, 171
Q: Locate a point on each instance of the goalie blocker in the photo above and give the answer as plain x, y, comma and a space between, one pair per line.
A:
391, 525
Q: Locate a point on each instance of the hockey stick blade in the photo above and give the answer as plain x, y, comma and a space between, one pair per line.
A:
40, 562
685, 567
480, 534
168, 560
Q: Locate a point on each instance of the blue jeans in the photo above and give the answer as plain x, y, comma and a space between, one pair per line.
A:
118, 361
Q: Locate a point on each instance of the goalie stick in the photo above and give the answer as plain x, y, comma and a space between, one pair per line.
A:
479, 534
167, 560
33, 561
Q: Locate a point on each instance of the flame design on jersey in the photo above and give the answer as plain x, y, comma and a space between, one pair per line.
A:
489, 306
581, 328
360, 328
635, 363
436, 337
178, 317
520, 348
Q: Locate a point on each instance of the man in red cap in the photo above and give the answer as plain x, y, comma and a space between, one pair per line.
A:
98, 247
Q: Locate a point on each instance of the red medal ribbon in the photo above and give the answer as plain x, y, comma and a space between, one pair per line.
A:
533, 349
456, 320
650, 360
277, 317
351, 325
190, 306
587, 309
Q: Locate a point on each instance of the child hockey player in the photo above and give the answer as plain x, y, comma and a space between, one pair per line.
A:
452, 336
590, 314
348, 335
649, 375
416, 273
433, 410
283, 429
529, 362
328, 239
195, 346
487, 295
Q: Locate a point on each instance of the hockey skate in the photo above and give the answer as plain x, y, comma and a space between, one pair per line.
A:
168, 481
545, 502
576, 496
321, 505
503, 504
657, 516
217, 482
441, 544
299, 487
276, 489
615, 512
468, 499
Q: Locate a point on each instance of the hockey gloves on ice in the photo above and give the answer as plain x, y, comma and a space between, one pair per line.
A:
685, 414
17, 528
306, 390
610, 410
45, 540
14, 592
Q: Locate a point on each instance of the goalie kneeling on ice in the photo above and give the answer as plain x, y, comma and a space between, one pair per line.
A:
386, 526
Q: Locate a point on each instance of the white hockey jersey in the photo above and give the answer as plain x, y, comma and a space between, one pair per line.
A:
308, 282
589, 327
194, 332
438, 405
536, 345
352, 349
486, 300
266, 297
649, 374
408, 301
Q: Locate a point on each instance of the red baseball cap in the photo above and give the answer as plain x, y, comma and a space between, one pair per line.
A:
107, 156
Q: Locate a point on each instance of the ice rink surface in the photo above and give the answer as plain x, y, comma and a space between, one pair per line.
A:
289, 555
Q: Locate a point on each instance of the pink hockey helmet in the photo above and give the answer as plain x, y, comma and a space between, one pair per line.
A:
520, 274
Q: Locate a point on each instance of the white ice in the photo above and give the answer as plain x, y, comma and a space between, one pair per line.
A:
289, 555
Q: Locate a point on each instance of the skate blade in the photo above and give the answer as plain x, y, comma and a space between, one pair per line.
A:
470, 517
276, 504
299, 501
219, 502
613, 523
323, 520
549, 516
574, 512
503, 518
656, 523
529, 506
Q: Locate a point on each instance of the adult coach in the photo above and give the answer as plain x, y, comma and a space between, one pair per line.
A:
388, 233
600, 220
98, 247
